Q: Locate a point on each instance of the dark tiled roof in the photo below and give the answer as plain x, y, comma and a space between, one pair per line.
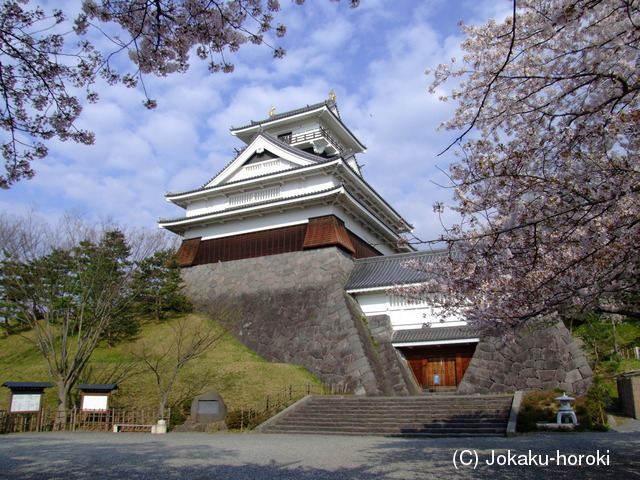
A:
27, 386
398, 227
290, 113
253, 204
388, 270
331, 106
433, 334
97, 386
281, 144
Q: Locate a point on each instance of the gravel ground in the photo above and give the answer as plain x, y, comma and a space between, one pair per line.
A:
106, 456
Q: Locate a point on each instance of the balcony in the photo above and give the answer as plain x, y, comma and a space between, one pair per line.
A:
321, 140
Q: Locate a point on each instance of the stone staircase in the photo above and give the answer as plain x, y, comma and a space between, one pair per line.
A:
419, 416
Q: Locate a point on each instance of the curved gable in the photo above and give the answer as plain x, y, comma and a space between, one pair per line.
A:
263, 155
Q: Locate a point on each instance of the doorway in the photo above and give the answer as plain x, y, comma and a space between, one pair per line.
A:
439, 366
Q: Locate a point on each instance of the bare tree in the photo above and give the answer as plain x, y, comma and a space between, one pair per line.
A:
66, 299
66, 285
186, 339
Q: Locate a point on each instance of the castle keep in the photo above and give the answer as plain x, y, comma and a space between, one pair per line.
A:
291, 231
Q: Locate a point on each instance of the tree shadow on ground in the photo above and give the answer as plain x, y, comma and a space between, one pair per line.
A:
498, 457
254, 456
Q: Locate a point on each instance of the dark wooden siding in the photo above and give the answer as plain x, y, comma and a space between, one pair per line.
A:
363, 249
188, 251
250, 245
320, 232
326, 231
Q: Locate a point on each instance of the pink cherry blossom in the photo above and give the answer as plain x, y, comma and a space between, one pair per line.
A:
547, 175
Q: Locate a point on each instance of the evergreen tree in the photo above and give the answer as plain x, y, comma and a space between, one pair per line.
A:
157, 283
67, 300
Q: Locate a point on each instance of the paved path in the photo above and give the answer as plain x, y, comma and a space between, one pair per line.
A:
133, 456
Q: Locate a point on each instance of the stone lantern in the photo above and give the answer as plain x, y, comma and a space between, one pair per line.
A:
566, 410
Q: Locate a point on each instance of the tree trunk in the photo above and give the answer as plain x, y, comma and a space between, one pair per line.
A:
163, 404
164, 398
63, 395
616, 348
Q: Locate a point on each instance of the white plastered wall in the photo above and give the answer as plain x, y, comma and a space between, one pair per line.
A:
402, 314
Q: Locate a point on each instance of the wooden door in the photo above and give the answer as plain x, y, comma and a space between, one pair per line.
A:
419, 369
441, 372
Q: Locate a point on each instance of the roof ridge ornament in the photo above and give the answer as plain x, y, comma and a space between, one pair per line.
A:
332, 95
272, 111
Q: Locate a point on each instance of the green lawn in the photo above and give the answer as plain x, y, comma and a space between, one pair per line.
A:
238, 374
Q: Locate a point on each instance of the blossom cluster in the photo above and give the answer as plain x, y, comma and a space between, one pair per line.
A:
547, 176
38, 70
36, 76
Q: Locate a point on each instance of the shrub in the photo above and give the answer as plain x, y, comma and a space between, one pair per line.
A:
238, 419
537, 406
541, 406
591, 410
178, 417
241, 419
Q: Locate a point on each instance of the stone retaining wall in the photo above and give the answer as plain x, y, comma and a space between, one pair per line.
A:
538, 359
295, 310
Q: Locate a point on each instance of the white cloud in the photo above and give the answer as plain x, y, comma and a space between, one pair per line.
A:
373, 57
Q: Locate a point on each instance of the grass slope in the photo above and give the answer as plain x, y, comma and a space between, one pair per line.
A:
229, 368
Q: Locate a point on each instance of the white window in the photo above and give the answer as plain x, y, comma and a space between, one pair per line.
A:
253, 197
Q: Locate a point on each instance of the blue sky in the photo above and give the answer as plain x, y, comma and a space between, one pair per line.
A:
372, 57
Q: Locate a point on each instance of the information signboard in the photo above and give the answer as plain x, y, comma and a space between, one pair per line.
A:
95, 402
25, 402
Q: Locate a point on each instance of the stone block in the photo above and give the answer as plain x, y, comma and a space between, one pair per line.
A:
516, 368
540, 365
553, 363
566, 387
573, 376
542, 341
560, 375
578, 362
498, 388
521, 357
483, 373
586, 371
549, 353
484, 355
208, 408
547, 376
511, 379
359, 363
533, 383
576, 352
521, 384
527, 373
580, 387
485, 347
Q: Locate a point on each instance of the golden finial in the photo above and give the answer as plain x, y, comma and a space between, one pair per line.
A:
332, 95
272, 112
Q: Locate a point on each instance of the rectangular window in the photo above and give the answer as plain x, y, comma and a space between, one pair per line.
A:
253, 197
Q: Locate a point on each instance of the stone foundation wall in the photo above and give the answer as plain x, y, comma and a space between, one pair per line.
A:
538, 359
295, 310
398, 371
